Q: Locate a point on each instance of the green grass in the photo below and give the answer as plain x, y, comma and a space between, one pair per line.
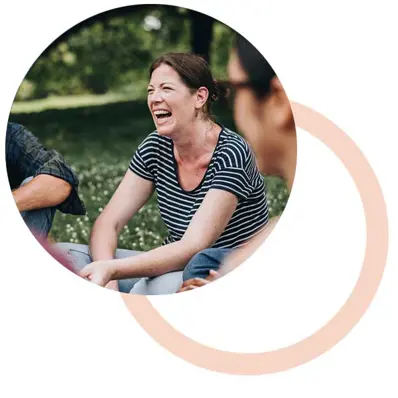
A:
98, 142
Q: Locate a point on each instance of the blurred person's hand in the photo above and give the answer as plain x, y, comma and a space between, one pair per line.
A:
194, 283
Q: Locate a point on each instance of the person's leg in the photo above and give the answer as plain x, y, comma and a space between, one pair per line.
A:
80, 256
206, 260
169, 283
76, 253
38, 221
125, 285
164, 284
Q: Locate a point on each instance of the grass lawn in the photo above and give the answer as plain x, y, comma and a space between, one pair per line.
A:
98, 141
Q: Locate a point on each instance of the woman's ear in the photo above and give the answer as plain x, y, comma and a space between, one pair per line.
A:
282, 110
278, 93
201, 97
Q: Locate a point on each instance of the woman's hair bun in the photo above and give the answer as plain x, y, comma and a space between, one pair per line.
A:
219, 91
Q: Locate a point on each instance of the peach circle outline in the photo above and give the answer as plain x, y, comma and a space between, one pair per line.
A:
341, 323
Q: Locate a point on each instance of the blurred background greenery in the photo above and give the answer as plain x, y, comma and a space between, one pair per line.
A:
85, 96
111, 52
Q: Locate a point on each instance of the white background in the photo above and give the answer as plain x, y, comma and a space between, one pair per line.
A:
61, 336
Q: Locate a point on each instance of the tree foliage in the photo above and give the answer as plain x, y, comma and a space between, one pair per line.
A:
112, 51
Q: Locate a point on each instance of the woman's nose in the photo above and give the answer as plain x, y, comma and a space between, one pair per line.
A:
156, 96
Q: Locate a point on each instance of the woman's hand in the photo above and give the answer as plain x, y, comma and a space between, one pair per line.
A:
99, 272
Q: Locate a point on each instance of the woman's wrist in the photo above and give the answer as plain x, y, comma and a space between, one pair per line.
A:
119, 268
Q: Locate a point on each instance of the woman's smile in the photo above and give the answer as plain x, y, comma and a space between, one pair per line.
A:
162, 116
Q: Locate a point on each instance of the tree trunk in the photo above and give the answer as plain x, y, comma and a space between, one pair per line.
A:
201, 34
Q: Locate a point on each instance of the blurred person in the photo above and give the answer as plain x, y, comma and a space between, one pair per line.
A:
40, 179
55, 252
210, 193
263, 114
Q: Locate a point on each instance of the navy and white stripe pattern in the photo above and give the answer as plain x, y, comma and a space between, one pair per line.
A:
232, 168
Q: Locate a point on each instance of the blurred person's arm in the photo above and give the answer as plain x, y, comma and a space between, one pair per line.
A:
233, 260
205, 228
41, 192
132, 193
238, 256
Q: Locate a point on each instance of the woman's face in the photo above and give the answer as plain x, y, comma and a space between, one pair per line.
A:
171, 102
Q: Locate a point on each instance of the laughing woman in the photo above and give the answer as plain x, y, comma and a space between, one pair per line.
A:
211, 195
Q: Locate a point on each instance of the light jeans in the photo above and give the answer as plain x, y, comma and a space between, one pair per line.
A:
38, 221
80, 256
198, 267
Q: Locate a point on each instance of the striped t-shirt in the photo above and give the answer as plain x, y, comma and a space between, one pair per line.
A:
232, 168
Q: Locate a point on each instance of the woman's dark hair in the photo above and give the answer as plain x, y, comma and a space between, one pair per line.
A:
259, 71
194, 71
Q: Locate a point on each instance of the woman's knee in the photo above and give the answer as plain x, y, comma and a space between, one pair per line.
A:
164, 284
78, 254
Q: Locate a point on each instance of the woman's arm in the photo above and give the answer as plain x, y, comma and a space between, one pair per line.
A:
132, 193
206, 226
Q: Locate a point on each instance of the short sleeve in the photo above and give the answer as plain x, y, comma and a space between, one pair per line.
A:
25, 154
236, 172
143, 160
30, 158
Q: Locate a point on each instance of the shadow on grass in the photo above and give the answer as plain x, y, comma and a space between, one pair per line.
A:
102, 130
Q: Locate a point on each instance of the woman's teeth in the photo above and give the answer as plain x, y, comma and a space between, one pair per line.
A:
162, 114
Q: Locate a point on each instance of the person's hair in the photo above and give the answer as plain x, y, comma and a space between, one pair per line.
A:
194, 72
259, 71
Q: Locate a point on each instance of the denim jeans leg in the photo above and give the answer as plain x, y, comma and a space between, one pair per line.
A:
125, 285
204, 261
38, 221
77, 254
163, 284
80, 256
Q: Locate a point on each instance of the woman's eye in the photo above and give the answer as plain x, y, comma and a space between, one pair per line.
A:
167, 88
